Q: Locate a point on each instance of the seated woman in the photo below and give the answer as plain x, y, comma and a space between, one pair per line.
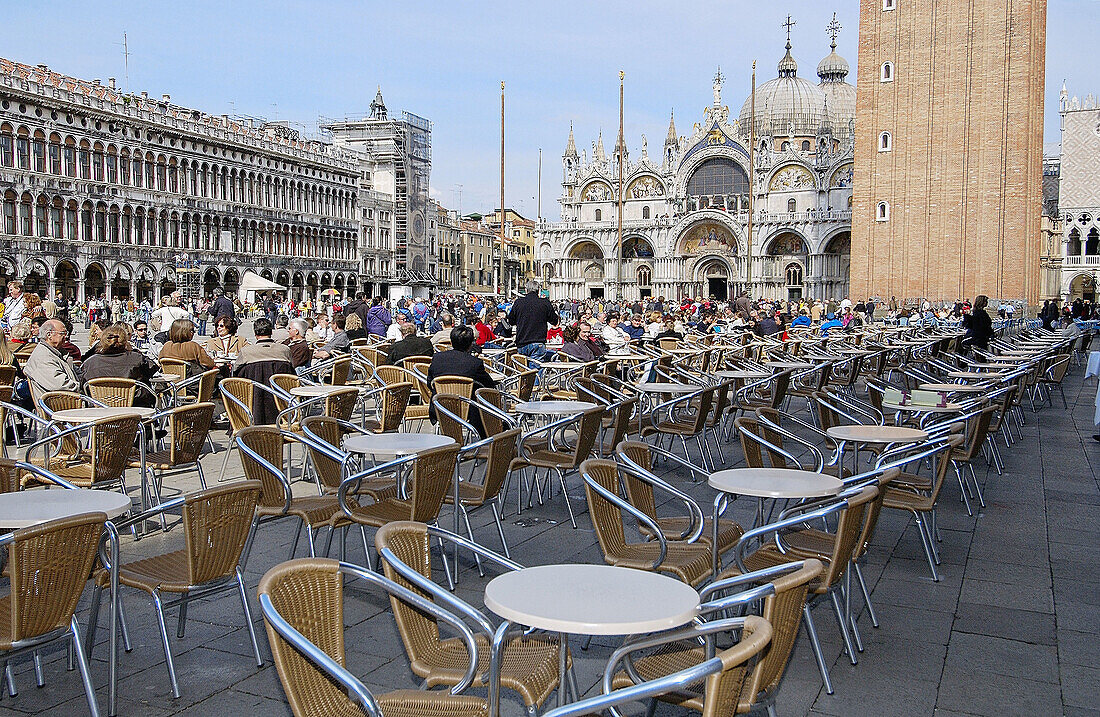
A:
485, 334
225, 341
353, 325
579, 344
115, 357
182, 347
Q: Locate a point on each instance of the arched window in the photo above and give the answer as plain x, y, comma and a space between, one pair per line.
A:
38, 151
718, 176
882, 212
55, 153
888, 4
885, 142
785, 146
599, 215
792, 206
794, 275
9, 213
645, 212
644, 276
1092, 245
1074, 247
7, 147
805, 145
887, 73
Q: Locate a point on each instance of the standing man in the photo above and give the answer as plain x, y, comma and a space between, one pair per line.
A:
531, 314
222, 306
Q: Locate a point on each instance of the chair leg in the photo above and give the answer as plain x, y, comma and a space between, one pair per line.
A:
565, 495
248, 618
470, 533
225, 461
842, 621
10, 679
926, 542
963, 489
811, 631
181, 621
866, 595
500, 528
977, 488
38, 678
93, 619
82, 662
159, 606
202, 477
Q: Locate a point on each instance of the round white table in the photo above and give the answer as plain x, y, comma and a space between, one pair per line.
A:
395, 444
590, 600
31, 507
973, 375
797, 365
742, 375
83, 415
767, 483
670, 388
563, 408
922, 407
312, 391
877, 435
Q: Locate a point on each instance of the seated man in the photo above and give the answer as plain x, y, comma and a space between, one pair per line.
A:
340, 343
300, 352
831, 322
802, 320
460, 362
48, 368
409, 345
636, 328
259, 362
444, 334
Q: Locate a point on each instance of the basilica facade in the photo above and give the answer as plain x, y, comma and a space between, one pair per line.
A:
686, 222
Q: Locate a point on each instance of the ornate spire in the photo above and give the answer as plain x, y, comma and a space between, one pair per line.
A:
671, 140
378, 107
833, 68
787, 66
571, 148
833, 30
598, 152
719, 78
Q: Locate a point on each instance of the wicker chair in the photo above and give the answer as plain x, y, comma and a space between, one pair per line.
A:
429, 481
261, 450
976, 434
783, 593
458, 385
104, 461
529, 665
325, 438
49, 564
174, 366
188, 429
690, 562
500, 449
848, 513
389, 375
238, 395
565, 460
636, 460
391, 406
693, 424
303, 607
283, 383
197, 389
216, 526
113, 392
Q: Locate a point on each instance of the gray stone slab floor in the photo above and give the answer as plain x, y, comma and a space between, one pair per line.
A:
1010, 629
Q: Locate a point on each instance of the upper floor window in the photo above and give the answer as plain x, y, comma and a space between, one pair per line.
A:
887, 73
805, 145
882, 212
792, 205
885, 142
645, 212
888, 4
599, 215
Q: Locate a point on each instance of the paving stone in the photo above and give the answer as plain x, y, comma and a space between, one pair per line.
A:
1009, 623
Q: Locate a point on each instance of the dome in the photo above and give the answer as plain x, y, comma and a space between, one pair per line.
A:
833, 70
785, 101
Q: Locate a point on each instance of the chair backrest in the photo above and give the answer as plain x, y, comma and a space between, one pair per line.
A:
110, 446
216, 522
620, 422
783, 611
331, 431
976, 433
430, 479
284, 382
849, 529
340, 404
55, 401
267, 442
757, 440
208, 381
177, 367
606, 517
188, 427
115, 392
240, 389
525, 386
504, 447
341, 368
388, 374
408, 540
7, 375
395, 399
417, 363
638, 491
49, 564
453, 405
491, 422
587, 432
309, 594
459, 385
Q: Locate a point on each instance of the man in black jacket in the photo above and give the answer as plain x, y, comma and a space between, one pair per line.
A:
409, 345
460, 362
359, 306
259, 362
531, 314
222, 306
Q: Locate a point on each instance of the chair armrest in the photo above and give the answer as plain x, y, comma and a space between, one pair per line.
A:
638, 515
695, 528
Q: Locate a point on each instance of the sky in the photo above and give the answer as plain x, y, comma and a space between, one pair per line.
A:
299, 61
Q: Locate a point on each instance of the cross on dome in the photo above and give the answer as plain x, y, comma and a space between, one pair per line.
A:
833, 30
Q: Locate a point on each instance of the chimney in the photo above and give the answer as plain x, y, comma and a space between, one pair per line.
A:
144, 95
43, 66
96, 82
111, 82
166, 97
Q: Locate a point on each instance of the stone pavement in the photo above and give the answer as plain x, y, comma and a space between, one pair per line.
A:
1010, 629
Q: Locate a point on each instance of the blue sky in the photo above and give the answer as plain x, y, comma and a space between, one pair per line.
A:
444, 60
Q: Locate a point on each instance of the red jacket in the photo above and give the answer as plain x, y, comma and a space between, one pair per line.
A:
484, 333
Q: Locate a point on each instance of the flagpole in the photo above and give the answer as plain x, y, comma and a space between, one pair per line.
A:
500, 283
619, 249
752, 174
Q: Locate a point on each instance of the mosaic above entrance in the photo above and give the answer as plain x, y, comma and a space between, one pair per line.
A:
708, 236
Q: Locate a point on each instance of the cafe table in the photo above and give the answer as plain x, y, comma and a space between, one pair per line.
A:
919, 409
585, 600
953, 387
766, 484
974, 375
308, 390
862, 435
83, 415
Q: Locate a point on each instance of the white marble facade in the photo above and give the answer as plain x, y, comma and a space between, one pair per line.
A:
685, 210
